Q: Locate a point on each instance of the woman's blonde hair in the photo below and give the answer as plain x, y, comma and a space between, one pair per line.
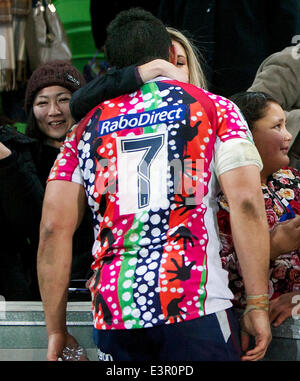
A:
196, 75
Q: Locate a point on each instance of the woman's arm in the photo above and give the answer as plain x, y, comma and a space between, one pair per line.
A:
285, 237
283, 307
163, 68
21, 193
117, 82
112, 84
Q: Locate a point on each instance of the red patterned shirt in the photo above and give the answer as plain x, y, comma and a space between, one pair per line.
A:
282, 201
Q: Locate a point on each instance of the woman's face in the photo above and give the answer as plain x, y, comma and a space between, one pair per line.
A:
272, 139
52, 113
181, 61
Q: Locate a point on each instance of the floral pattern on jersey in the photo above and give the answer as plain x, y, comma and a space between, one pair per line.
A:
150, 267
285, 269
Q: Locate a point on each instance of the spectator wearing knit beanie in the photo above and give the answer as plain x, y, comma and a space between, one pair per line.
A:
48, 92
54, 73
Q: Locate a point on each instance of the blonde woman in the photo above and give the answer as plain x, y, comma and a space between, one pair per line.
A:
188, 57
121, 81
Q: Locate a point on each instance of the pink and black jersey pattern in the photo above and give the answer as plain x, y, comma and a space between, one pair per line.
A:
146, 162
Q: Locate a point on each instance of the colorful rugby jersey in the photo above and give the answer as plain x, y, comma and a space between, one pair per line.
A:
147, 163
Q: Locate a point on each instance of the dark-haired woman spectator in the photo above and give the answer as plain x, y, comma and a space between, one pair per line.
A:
47, 97
281, 189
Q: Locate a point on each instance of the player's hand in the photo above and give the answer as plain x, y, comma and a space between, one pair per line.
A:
255, 323
59, 345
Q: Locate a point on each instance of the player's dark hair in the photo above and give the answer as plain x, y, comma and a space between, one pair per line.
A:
135, 37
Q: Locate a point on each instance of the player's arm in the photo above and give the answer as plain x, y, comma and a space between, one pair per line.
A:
63, 209
242, 188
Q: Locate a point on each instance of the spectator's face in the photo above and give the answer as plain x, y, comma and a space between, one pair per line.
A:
272, 139
52, 112
181, 60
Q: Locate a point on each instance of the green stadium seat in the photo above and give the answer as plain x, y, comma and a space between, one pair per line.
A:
21, 127
76, 19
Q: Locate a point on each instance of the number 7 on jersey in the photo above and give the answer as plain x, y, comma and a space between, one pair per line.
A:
142, 172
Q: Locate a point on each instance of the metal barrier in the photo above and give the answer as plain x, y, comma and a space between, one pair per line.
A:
285, 344
23, 335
